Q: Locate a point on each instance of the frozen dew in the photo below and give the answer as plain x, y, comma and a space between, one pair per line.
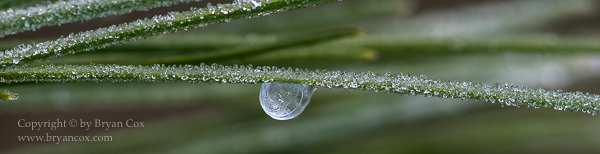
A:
284, 101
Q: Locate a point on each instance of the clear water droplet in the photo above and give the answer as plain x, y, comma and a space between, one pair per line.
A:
284, 101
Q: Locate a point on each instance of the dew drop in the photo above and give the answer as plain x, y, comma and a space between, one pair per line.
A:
284, 101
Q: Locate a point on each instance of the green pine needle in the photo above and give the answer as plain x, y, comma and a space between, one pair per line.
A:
245, 51
505, 94
61, 12
140, 29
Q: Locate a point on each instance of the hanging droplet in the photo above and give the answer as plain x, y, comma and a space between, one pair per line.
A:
284, 101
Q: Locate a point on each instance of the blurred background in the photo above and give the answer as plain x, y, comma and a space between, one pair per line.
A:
539, 43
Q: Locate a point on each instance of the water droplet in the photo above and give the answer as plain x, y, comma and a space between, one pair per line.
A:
284, 101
